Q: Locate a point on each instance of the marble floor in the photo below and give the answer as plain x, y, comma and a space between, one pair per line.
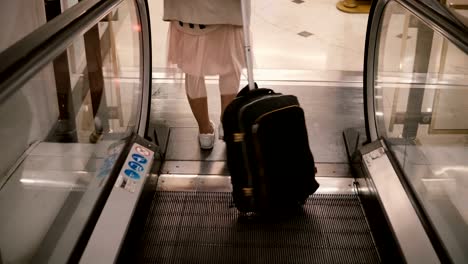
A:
332, 41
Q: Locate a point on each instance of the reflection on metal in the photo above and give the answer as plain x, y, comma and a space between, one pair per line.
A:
428, 86
354, 6
195, 167
190, 183
36, 183
444, 170
171, 111
201, 167
216, 183
15, 166
165, 75
267, 83
407, 228
332, 185
333, 169
429, 80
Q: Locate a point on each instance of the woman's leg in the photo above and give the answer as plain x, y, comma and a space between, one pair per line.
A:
196, 94
228, 87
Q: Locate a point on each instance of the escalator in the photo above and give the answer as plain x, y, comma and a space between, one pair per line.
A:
91, 174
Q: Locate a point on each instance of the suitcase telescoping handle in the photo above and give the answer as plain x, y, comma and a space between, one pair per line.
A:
245, 6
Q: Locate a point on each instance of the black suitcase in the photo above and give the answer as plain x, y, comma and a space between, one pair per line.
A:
268, 152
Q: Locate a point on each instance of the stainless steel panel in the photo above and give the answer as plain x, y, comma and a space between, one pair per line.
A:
332, 185
204, 167
278, 75
333, 170
110, 230
216, 183
195, 167
183, 145
328, 111
409, 232
181, 183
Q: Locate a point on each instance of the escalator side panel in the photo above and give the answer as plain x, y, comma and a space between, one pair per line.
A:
405, 224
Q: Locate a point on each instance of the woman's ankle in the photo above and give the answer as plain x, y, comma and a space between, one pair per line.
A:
207, 129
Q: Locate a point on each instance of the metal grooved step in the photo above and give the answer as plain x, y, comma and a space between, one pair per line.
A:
204, 227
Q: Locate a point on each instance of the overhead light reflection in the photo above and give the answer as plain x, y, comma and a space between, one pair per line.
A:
447, 169
49, 183
333, 190
137, 27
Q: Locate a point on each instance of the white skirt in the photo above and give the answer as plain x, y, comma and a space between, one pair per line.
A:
213, 50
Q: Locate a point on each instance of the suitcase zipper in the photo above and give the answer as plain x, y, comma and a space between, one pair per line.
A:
248, 191
260, 167
273, 111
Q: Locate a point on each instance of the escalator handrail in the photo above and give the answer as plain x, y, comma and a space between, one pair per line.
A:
25, 58
432, 15
372, 33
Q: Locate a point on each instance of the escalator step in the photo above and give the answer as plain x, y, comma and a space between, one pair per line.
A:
204, 227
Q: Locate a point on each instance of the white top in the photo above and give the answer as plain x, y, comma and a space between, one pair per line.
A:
206, 12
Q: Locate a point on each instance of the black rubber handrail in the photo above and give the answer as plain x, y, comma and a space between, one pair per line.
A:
440, 19
26, 57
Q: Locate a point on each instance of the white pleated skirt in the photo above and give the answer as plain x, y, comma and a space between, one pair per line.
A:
213, 50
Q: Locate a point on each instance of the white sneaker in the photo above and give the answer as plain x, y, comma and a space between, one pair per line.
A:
220, 131
207, 140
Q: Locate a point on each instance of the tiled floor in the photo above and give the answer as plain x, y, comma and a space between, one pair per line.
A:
334, 40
